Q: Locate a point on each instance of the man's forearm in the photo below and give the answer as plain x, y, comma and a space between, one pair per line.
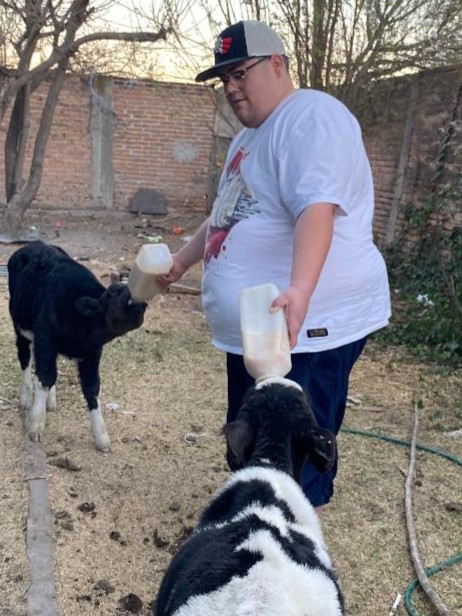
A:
312, 240
193, 251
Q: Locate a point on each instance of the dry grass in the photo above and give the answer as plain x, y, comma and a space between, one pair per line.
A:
118, 518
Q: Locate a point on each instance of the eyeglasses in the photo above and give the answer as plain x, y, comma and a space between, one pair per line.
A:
236, 76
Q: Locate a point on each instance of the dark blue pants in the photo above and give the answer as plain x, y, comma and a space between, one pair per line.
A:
324, 377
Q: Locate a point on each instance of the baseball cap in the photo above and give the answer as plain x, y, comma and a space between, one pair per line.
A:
241, 41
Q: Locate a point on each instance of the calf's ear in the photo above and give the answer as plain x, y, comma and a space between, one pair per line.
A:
239, 438
320, 446
87, 306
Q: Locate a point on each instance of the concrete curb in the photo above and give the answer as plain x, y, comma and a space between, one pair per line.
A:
41, 599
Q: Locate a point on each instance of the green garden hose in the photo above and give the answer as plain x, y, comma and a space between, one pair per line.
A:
453, 560
430, 571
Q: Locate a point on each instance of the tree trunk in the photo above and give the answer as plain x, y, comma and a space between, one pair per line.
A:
319, 46
16, 140
21, 200
38, 18
14, 214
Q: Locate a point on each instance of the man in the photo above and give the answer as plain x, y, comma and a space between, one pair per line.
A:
294, 207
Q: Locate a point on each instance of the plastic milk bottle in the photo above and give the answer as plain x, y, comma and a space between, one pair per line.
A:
264, 334
152, 260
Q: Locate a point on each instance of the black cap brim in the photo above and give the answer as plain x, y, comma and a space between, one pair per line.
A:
216, 70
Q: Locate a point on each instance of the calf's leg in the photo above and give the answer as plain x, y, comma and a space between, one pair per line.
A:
90, 383
23, 346
37, 414
45, 379
51, 399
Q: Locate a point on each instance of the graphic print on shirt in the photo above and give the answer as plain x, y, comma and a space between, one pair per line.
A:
235, 202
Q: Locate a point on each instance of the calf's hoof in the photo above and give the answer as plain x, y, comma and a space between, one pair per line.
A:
34, 435
35, 427
103, 445
25, 402
102, 440
99, 432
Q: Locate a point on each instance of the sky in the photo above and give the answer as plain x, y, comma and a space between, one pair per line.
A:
196, 37
179, 58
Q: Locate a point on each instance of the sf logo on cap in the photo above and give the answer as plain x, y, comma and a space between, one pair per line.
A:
223, 45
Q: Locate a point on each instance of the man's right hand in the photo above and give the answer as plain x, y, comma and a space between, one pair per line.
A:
177, 270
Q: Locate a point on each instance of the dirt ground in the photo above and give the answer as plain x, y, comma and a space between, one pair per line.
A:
118, 518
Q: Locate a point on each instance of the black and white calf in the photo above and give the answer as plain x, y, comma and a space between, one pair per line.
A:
59, 307
258, 549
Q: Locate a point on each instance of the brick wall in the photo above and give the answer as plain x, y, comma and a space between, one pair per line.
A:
430, 104
66, 174
162, 139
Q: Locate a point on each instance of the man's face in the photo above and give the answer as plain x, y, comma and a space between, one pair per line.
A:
253, 89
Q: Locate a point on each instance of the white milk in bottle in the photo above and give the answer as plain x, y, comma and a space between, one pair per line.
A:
265, 337
152, 260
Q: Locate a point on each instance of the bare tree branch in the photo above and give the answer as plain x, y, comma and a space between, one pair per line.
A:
413, 543
334, 44
44, 27
69, 49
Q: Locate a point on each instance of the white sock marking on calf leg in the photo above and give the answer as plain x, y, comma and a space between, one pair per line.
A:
98, 430
51, 400
37, 414
27, 388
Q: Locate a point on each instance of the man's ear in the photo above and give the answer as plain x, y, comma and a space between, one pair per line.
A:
320, 446
87, 306
239, 438
276, 62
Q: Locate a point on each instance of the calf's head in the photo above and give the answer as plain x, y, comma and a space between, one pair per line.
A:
121, 313
275, 423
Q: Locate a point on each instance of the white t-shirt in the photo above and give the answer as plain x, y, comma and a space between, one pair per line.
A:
309, 150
